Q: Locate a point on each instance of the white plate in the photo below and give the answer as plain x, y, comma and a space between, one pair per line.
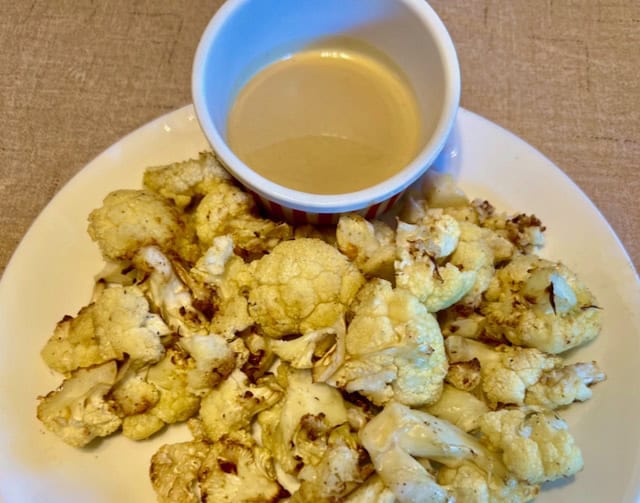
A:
51, 275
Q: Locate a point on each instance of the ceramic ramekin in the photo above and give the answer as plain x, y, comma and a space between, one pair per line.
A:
244, 36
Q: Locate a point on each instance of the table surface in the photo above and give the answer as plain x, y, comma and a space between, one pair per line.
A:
77, 75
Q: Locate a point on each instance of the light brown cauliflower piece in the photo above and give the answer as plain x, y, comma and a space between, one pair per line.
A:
229, 210
302, 285
369, 244
78, 411
174, 471
131, 219
183, 181
116, 324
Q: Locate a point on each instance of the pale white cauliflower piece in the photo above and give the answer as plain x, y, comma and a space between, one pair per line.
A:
535, 446
131, 219
460, 408
231, 406
169, 294
418, 269
394, 349
117, 325
515, 375
303, 352
301, 286
478, 250
78, 411
183, 181
467, 483
369, 244
542, 304
372, 490
239, 471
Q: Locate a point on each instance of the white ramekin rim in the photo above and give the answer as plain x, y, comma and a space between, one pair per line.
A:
338, 203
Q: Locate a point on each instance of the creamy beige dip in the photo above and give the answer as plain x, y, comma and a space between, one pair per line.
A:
326, 121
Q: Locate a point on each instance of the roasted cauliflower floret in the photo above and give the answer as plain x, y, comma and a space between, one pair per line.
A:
183, 181
116, 324
400, 439
343, 466
469, 484
537, 303
229, 210
394, 349
232, 405
237, 471
131, 219
132, 393
460, 408
370, 245
226, 274
535, 446
305, 404
176, 402
419, 267
302, 285
78, 411
175, 469
515, 375
214, 361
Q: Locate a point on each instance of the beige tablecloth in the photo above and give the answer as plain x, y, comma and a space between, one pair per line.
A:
77, 75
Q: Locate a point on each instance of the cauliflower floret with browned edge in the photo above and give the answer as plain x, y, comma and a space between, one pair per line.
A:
419, 267
537, 303
232, 405
227, 209
394, 349
304, 404
301, 286
174, 471
399, 440
369, 244
535, 445
214, 361
344, 465
116, 324
78, 411
183, 181
176, 402
169, 294
239, 471
132, 393
131, 219
515, 375
226, 273
230, 470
